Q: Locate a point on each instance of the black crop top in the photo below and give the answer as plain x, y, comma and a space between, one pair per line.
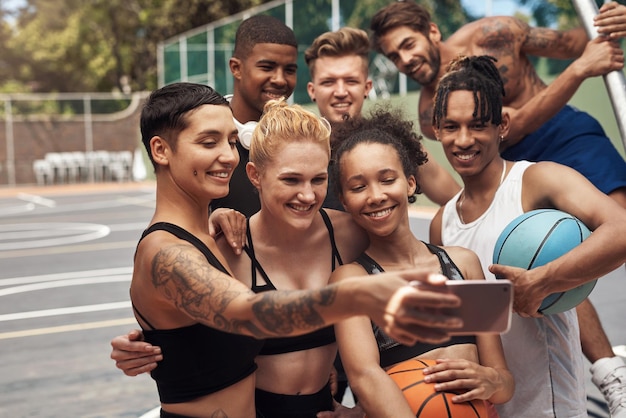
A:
198, 360
319, 338
392, 352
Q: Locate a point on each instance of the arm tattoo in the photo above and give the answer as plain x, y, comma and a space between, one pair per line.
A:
544, 39
204, 293
193, 285
298, 313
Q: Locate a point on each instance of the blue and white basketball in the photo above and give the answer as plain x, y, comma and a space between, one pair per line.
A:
538, 237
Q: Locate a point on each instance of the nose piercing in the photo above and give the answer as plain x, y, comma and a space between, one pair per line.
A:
195, 173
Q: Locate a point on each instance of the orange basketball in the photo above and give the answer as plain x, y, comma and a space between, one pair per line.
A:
424, 401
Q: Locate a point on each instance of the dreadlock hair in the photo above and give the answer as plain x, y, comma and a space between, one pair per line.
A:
380, 126
345, 41
261, 29
479, 75
397, 14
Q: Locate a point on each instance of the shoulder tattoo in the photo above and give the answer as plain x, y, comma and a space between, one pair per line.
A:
192, 284
498, 39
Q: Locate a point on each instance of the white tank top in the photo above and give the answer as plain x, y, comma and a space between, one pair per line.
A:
544, 354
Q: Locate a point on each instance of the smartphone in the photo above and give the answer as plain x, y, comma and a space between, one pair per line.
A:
486, 305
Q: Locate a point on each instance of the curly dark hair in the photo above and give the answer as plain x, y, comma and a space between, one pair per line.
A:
381, 126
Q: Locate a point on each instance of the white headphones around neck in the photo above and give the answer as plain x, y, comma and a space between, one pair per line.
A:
245, 132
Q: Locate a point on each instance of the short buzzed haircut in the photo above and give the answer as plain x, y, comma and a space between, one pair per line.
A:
397, 14
262, 29
345, 41
166, 111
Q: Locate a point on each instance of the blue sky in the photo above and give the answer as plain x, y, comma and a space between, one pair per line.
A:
12, 4
498, 7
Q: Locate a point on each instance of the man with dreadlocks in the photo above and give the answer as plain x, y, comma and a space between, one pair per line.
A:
543, 352
542, 126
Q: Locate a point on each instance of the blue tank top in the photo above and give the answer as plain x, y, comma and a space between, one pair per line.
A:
198, 360
319, 338
391, 351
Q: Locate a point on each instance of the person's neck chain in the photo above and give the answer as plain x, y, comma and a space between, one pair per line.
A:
459, 203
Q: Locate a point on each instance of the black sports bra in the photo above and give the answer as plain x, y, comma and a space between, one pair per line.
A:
198, 360
319, 338
392, 352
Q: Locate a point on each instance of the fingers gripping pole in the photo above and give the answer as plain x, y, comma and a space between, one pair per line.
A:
615, 81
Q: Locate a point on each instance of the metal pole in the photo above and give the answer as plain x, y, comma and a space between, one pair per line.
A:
335, 18
615, 81
8, 121
88, 136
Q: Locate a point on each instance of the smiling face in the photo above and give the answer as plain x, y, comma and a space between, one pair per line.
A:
469, 144
413, 53
267, 73
339, 86
374, 187
205, 147
292, 186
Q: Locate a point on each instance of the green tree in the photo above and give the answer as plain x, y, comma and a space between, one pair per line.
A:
560, 13
448, 14
98, 45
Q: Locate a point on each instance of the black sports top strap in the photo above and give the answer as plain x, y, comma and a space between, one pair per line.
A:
256, 266
331, 233
448, 268
143, 318
186, 236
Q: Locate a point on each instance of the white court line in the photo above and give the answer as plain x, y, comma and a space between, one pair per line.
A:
65, 311
114, 202
135, 226
63, 283
146, 199
38, 200
67, 328
63, 276
83, 232
33, 252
